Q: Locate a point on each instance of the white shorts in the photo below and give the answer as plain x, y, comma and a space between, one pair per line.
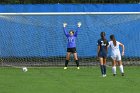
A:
116, 57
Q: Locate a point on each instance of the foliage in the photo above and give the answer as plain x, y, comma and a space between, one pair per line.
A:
64, 1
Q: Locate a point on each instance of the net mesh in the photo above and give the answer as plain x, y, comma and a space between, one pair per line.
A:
39, 40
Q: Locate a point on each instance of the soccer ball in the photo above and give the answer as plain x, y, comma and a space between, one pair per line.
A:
24, 69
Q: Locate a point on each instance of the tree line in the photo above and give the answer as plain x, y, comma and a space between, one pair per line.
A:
65, 1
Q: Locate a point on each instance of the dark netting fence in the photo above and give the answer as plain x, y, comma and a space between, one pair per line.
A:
38, 40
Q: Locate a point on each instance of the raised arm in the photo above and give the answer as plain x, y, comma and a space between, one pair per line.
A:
64, 29
122, 48
79, 25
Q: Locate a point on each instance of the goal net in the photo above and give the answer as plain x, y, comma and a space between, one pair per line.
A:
37, 39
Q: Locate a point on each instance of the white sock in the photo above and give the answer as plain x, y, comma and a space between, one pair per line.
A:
114, 69
121, 69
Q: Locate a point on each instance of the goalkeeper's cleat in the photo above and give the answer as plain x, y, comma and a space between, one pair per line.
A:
78, 67
104, 75
65, 67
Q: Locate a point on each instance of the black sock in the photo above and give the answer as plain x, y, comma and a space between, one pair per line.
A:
77, 63
66, 63
104, 67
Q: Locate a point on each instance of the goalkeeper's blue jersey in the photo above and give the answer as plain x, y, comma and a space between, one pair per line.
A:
71, 39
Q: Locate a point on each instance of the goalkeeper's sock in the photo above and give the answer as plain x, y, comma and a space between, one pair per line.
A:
102, 69
66, 63
77, 63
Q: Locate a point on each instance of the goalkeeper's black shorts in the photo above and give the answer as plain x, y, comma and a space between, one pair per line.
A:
72, 50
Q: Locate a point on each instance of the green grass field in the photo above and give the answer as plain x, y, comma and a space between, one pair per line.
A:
58, 80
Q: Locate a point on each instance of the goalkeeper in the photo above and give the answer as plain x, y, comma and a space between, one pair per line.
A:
71, 47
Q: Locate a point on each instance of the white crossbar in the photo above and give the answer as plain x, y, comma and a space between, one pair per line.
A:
69, 13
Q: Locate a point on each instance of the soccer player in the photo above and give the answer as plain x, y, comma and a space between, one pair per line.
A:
102, 53
116, 55
71, 46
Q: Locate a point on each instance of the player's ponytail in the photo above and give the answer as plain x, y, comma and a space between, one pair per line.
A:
112, 37
103, 37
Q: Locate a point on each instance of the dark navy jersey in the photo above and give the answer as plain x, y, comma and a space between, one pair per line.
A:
103, 46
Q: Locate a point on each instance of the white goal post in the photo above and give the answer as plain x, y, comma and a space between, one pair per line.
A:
68, 13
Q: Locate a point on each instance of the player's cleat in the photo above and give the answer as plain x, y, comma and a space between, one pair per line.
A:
65, 67
78, 67
122, 74
114, 74
104, 75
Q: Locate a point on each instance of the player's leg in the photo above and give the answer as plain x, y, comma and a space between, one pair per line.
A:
114, 67
113, 64
67, 59
76, 60
101, 66
104, 65
120, 65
